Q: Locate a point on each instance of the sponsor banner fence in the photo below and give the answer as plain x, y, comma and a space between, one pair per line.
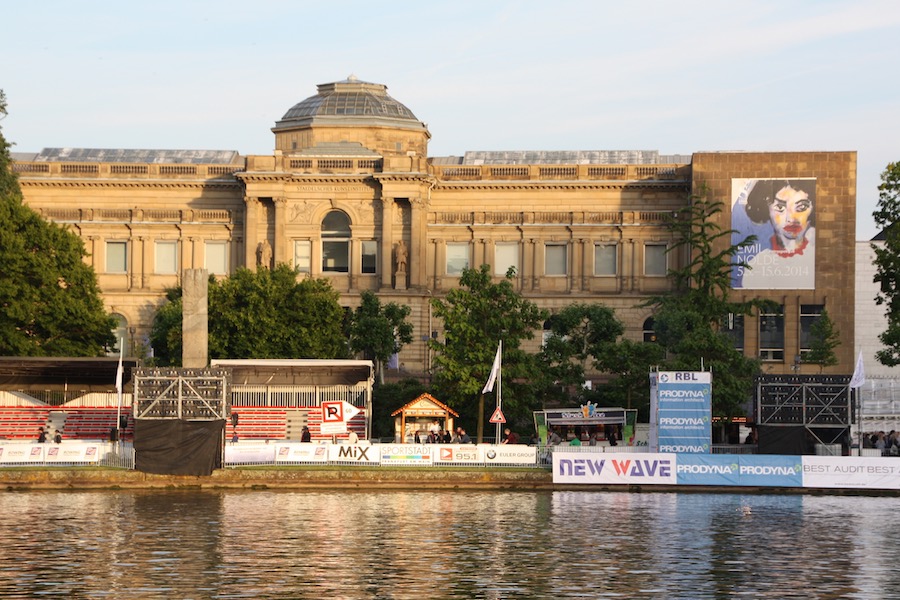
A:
510, 454
740, 470
72, 453
407, 454
459, 454
68, 452
294, 453
353, 453
854, 472
578, 467
249, 453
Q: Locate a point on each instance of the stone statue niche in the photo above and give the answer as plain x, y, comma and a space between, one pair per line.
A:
264, 255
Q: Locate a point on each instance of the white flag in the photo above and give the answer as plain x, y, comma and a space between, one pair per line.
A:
495, 370
859, 373
119, 371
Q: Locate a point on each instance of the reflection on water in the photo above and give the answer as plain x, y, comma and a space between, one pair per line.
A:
445, 544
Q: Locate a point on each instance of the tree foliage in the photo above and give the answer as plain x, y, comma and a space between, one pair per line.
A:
379, 331
578, 333
824, 338
688, 320
260, 314
50, 301
476, 316
887, 263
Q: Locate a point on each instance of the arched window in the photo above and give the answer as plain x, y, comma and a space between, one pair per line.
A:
649, 331
335, 243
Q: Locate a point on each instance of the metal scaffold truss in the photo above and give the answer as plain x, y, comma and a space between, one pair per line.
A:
185, 394
810, 401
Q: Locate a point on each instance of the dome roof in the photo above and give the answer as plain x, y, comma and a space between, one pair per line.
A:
349, 100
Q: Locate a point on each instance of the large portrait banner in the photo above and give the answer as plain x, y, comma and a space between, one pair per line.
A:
780, 213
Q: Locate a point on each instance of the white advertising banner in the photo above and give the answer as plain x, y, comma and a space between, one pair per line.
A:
72, 452
459, 454
301, 453
857, 472
407, 454
597, 467
355, 453
21, 453
510, 454
250, 453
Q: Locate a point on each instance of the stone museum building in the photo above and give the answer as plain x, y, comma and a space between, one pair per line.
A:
350, 194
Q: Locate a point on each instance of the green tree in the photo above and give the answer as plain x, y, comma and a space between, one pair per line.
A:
50, 302
165, 332
824, 338
379, 331
887, 263
260, 314
630, 363
476, 316
578, 334
688, 320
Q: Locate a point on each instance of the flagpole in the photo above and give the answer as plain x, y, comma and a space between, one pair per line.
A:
119, 377
499, 387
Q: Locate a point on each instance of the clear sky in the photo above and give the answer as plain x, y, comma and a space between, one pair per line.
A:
677, 77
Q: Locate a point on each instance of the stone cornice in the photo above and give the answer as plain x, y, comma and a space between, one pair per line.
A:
561, 185
130, 185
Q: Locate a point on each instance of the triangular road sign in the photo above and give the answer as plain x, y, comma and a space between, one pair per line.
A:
498, 417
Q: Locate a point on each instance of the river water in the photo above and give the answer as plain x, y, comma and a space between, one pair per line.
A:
446, 544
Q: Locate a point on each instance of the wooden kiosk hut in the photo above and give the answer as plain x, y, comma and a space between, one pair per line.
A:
419, 415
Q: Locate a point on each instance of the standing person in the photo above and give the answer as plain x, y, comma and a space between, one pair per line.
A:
352, 437
42, 435
305, 436
510, 437
57, 437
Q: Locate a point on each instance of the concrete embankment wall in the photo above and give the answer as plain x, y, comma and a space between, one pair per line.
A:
376, 478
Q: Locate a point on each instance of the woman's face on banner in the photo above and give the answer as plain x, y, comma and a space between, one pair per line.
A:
790, 213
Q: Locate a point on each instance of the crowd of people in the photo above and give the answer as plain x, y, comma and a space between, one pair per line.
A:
888, 443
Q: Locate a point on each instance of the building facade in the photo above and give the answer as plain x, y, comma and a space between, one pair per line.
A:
350, 194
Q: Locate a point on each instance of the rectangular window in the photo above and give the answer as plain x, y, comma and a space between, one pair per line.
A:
771, 335
217, 258
369, 256
116, 257
506, 255
457, 258
302, 256
555, 259
335, 257
655, 262
605, 259
166, 258
733, 327
809, 314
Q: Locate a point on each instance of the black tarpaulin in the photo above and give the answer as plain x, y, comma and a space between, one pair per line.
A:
783, 440
174, 447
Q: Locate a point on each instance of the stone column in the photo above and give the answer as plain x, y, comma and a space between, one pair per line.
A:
386, 249
537, 265
195, 324
279, 247
417, 235
251, 220
587, 264
146, 268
